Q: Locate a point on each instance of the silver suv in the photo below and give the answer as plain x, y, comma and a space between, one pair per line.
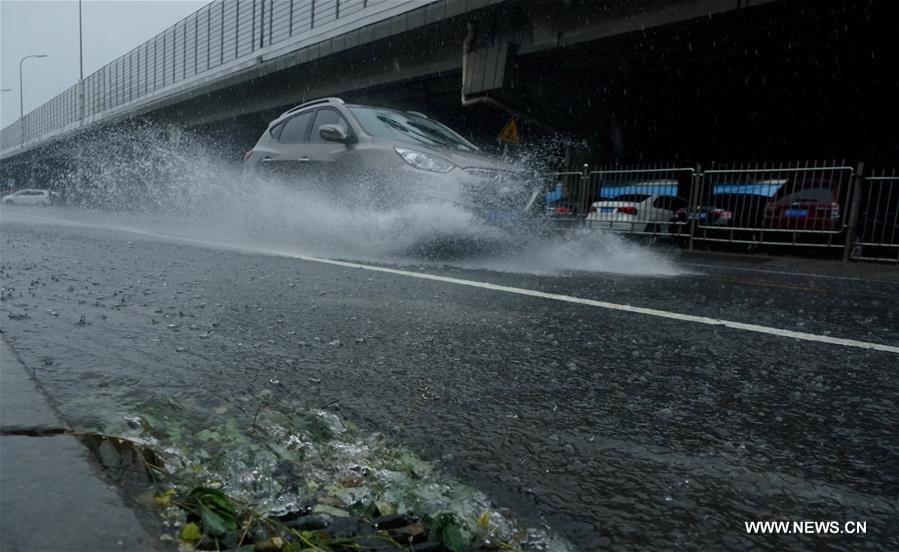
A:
387, 157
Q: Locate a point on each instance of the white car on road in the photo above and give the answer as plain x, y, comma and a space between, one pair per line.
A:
29, 197
635, 212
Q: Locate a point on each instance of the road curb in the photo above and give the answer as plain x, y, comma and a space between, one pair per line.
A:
53, 496
24, 409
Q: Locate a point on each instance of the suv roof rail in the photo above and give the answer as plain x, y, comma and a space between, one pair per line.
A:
313, 102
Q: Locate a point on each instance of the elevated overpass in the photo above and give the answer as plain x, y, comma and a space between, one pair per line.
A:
640, 78
236, 57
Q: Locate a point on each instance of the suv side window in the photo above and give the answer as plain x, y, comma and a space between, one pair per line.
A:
296, 129
326, 116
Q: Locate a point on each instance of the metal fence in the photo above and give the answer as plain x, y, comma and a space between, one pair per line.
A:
810, 205
566, 200
801, 204
877, 230
220, 37
638, 200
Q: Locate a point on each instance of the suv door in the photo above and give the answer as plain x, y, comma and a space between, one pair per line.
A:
325, 157
287, 156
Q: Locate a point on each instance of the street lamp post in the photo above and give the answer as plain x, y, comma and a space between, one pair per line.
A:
80, 47
21, 101
80, 70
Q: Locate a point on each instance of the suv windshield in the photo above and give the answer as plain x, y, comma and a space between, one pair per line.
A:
406, 127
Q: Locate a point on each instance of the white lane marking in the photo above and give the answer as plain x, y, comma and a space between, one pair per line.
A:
533, 293
614, 306
788, 273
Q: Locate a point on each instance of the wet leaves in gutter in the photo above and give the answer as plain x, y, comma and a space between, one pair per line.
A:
258, 474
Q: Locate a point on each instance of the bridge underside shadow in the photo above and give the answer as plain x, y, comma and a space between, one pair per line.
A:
784, 80
781, 80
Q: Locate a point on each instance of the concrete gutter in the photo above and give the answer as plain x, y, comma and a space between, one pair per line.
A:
53, 496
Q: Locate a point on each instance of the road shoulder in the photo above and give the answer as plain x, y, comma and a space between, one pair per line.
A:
52, 493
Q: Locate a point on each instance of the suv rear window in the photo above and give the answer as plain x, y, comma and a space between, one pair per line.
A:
296, 129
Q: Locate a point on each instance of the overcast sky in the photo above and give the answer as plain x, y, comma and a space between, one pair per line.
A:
110, 29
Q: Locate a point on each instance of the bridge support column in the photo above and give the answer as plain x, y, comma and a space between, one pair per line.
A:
486, 74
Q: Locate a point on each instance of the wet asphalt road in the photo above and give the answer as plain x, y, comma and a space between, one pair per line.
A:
617, 430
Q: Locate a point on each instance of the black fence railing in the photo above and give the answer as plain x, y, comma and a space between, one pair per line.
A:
811, 205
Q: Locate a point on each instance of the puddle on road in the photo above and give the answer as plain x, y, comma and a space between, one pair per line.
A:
132, 178
283, 459
392, 238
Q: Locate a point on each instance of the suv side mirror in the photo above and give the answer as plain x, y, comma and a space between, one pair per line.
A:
333, 133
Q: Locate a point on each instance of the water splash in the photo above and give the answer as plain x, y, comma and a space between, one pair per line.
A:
134, 178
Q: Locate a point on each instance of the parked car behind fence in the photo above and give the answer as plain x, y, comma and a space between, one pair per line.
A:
823, 205
30, 197
635, 212
813, 204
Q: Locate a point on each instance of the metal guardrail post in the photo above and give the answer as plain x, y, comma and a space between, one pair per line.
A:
196, 40
165, 49
695, 183
585, 186
853, 198
222, 35
290, 21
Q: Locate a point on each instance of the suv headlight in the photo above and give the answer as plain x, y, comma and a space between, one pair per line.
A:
425, 161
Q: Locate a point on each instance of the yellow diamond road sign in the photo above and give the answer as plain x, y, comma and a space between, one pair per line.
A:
509, 133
